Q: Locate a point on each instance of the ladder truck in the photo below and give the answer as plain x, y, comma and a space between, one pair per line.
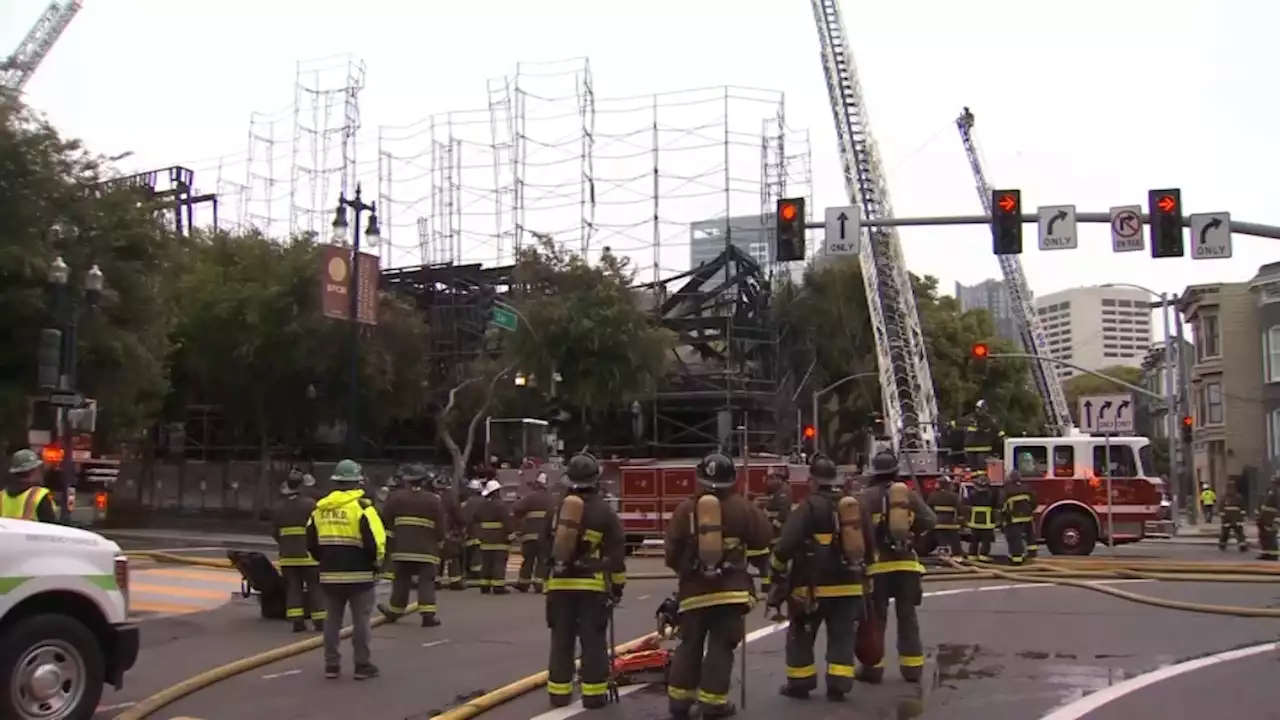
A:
17, 69
910, 405
1034, 342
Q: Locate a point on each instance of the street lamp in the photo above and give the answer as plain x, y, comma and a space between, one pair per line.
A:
372, 236
1169, 314
817, 424
67, 311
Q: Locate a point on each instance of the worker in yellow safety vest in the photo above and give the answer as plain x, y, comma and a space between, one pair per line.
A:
25, 498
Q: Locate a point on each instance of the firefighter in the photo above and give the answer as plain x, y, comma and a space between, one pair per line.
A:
984, 501
530, 513
818, 564
707, 542
947, 506
491, 525
416, 516
585, 550
777, 508
1233, 519
451, 574
25, 497
393, 483
1267, 516
1017, 514
305, 481
289, 520
347, 538
896, 515
471, 544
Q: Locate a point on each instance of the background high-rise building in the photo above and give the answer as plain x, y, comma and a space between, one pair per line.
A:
1096, 327
990, 295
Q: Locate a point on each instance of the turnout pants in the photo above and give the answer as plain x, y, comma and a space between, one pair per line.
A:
1228, 530
949, 542
1267, 541
905, 589
471, 560
840, 615
702, 667
1015, 536
302, 592
980, 543
406, 572
336, 599
532, 570
578, 616
493, 567
763, 572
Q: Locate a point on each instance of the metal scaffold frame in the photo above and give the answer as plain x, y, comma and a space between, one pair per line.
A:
326, 126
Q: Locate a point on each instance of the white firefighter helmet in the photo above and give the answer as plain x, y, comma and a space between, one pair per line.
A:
541, 480
474, 485
490, 488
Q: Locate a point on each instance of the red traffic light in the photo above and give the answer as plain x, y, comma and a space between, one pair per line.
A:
52, 455
1187, 421
980, 350
788, 211
1007, 202
1167, 204
809, 432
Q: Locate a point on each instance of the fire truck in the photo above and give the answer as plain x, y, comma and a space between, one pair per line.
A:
95, 474
1071, 477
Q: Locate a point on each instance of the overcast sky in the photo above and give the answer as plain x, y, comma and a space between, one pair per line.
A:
1092, 103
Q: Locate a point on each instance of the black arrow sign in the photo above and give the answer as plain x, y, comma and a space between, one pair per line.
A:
1088, 413
1053, 221
1124, 405
842, 218
1102, 411
1213, 224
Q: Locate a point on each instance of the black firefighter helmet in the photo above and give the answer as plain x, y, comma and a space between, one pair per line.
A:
823, 471
414, 474
884, 467
582, 472
716, 471
441, 480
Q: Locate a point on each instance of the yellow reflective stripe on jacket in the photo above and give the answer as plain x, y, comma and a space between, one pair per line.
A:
535, 514
297, 562
591, 584
888, 566
944, 508
491, 526
727, 597
292, 530
823, 538
829, 591
415, 522
980, 518
346, 576
415, 557
594, 537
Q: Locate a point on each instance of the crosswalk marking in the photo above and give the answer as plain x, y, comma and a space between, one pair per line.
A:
157, 590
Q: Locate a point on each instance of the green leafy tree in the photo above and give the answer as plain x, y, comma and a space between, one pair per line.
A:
53, 204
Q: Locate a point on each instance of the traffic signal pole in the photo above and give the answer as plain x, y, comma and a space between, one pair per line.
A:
1237, 228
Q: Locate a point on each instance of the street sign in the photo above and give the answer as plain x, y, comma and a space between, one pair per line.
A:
1211, 236
1058, 227
505, 318
66, 399
1126, 228
843, 231
1111, 414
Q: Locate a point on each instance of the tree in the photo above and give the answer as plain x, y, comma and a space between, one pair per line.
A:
54, 205
1086, 384
469, 399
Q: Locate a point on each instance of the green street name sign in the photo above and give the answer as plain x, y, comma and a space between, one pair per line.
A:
505, 319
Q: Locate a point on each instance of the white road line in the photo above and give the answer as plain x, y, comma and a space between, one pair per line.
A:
434, 643
286, 673
1087, 704
643, 597
576, 708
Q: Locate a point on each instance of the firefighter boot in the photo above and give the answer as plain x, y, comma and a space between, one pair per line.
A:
501, 590
521, 586
595, 702
299, 625
723, 710
835, 695
870, 675
365, 672
793, 692
318, 625
430, 620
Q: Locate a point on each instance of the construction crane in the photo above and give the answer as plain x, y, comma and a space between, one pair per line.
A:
1034, 342
17, 69
910, 405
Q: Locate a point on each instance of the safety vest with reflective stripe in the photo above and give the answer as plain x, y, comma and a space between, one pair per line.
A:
343, 559
23, 505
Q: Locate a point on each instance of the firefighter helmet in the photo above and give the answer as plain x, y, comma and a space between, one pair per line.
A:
1014, 476
884, 466
24, 461
582, 472
716, 471
347, 471
440, 480
823, 472
414, 474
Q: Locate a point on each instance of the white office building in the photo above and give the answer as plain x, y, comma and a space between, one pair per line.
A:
1096, 327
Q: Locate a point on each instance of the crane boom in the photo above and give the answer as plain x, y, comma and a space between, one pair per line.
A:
1034, 342
910, 405
18, 68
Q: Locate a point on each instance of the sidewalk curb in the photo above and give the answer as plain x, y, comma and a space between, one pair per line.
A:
177, 536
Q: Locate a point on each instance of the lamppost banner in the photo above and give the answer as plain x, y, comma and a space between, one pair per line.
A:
335, 285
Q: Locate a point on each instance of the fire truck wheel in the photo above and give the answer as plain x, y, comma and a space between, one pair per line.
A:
926, 544
1071, 532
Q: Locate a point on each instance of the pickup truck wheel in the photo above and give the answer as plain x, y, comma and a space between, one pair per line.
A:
1071, 533
53, 667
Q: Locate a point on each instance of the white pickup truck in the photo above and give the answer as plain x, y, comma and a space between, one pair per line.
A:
64, 620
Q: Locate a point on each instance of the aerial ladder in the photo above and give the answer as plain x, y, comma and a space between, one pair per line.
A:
17, 69
1034, 342
910, 405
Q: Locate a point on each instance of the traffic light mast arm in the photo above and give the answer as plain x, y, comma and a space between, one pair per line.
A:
1128, 386
1052, 398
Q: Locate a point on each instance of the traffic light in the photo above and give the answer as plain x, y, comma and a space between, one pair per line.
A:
49, 358
810, 439
789, 230
980, 351
1006, 222
809, 432
1188, 423
1165, 209
52, 455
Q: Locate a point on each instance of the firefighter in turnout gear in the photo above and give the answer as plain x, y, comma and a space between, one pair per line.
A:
453, 573
896, 515
347, 538
289, 519
530, 514
1268, 514
25, 498
984, 501
1018, 516
491, 525
585, 550
1233, 519
777, 508
819, 566
947, 506
471, 564
414, 517
707, 543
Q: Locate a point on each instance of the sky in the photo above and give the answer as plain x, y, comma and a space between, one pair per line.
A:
1091, 104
